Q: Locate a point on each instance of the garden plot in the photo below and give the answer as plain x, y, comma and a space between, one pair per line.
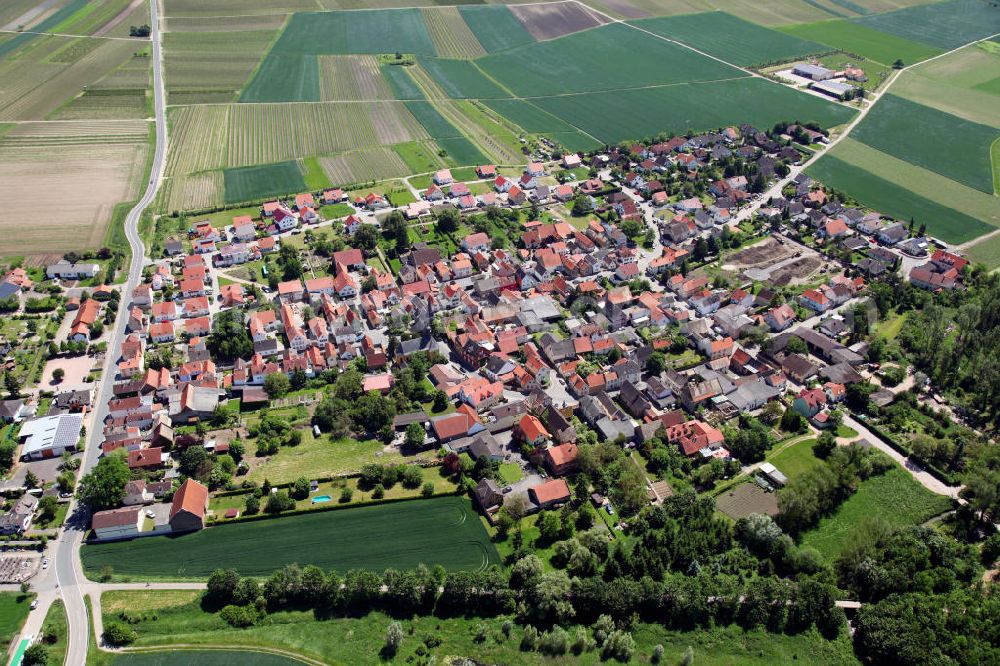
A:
363, 165
555, 19
745, 499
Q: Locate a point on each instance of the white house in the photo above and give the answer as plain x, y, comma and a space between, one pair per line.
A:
65, 270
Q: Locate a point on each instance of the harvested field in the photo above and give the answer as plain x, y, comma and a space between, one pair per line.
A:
91, 172
619, 116
745, 499
462, 79
198, 139
213, 66
946, 25
193, 191
957, 84
451, 35
352, 78
731, 39
209, 8
363, 165
555, 19
265, 180
863, 41
361, 31
443, 530
44, 96
612, 57
898, 201
496, 27
938, 141
230, 23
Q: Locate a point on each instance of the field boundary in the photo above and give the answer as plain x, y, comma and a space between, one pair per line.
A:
194, 647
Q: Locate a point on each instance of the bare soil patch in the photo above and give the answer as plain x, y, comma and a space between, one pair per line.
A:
552, 20
76, 368
745, 499
795, 272
764, 253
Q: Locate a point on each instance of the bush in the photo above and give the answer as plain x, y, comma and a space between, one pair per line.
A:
116, 633
554, 642
529, 641
346, 493
278, 502
35, 655
428, 489
378, 492
240, 616
412, 476
620, 645
300, 490
393, 638
252, 505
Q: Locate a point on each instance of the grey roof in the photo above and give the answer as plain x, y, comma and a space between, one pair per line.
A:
61, 431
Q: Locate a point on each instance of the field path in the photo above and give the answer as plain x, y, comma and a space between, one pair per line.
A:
967, 244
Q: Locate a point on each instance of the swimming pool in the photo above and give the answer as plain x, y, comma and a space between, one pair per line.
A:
319, 499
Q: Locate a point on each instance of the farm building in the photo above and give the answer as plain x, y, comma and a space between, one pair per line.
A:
117, 523
187, 512
50, 436
834, 89
814, 72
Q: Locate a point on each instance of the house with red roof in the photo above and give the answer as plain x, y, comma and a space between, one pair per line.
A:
561, 460
531, 431
550, 493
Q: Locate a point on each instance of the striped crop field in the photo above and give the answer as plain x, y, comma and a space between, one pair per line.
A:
451, 34
262, 133
363, 165
212, 8
352, 78
226, 24
193, 191
207, 67
198, 139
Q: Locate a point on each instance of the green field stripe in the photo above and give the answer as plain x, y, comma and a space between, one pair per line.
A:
827, 10
995, 160
897, 201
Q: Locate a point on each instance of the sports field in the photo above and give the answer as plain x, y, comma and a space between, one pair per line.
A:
732, 39
444, 530
935, 140
897, 200
253, 182
946, 25
859, 39
894, 497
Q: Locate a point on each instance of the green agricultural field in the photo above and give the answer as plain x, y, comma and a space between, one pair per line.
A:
284, 78
419, 156
894, 497
897, 201
947, 192
938, 141
358, 166
257, 182
401, 83
206, 67
534, 120
462, 79
361, 31
435, 124
450, 33
462, 152
863, 41
313, 174
986, 252
958, 83
612, 57
732, 39
944, 24
632, 114
496, 28
442, 530
14, 610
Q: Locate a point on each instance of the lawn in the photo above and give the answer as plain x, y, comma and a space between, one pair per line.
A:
795, 459
14, 610
318, 457
224, 218
940, 142
56, 625
335, 211
732, 39
894, 497
357, 640
946, 25
258, 182
863, 41
897, 201
510, 472
441, 530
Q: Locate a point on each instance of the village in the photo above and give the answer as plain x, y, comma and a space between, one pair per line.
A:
604, 323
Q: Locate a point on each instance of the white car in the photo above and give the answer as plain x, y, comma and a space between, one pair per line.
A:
34, 604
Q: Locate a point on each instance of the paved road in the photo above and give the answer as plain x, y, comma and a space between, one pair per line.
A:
69, 579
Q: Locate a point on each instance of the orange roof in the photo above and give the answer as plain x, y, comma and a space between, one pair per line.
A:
191, 497
532, 428
562, 454
551, 491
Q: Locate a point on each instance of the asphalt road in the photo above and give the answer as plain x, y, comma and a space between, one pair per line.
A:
65, 555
